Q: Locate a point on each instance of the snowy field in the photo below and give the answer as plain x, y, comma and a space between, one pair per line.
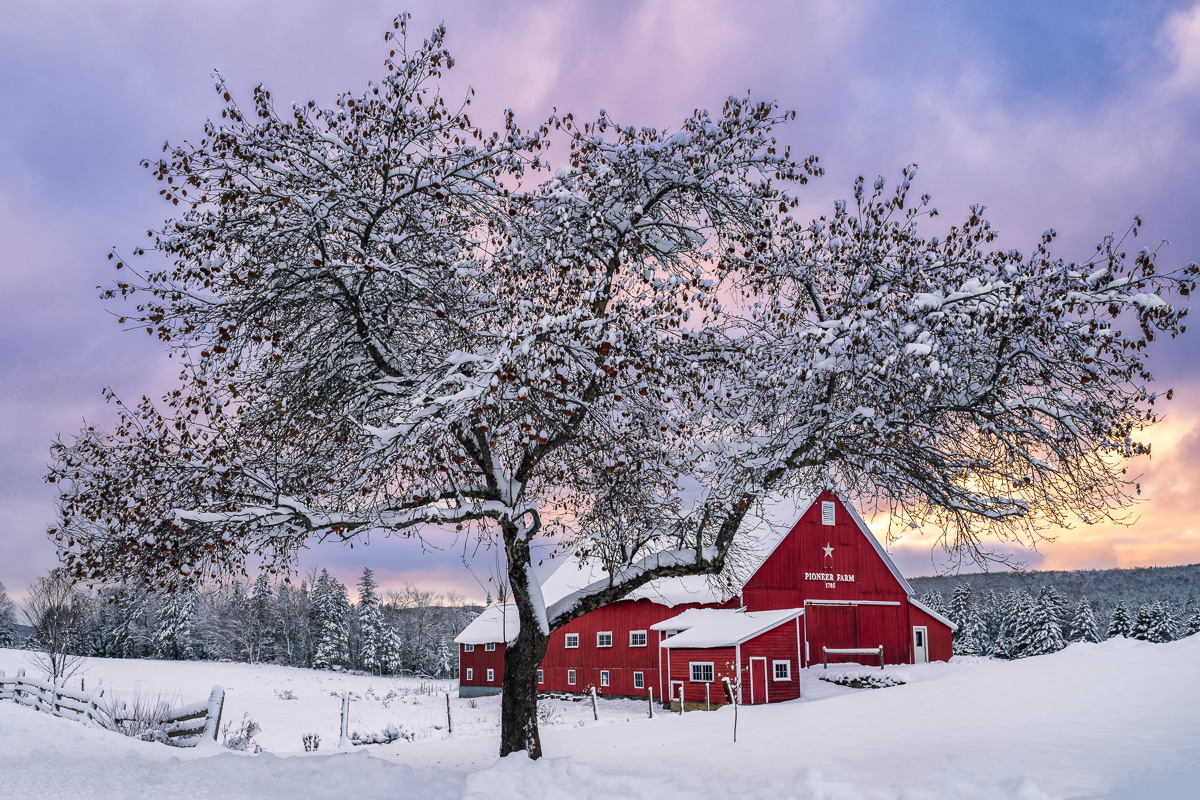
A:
1115, 720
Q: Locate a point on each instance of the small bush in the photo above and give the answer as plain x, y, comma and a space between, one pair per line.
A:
140, 716
388, 735
861, 680
285, 694
242, 738
472, 703
549, 713
312, 742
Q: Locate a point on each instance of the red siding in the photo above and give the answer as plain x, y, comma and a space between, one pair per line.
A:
724, 661
785, 580
480, 661
941, 645
777, 644
620, 660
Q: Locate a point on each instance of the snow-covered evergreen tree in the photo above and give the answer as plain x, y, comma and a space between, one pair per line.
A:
933, 599
8, 619
1120, 624
370, 625
991, 618
959, 611
330, 616
1083, 624
173, 634
1192, 626
1045, 630
262, 613
1023, 625
1155, 622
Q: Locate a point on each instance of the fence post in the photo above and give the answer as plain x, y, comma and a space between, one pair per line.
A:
707, 703
344, 740
449, 722
595, 713
212, 720
651, 698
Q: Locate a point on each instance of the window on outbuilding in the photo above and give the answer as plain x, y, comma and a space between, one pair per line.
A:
491, 675
637, 638
490, 646
783, 670
604, 639
571, 640
571, 677
468, 648
604, 677
470, 674
639, 680
541, 677
702, 671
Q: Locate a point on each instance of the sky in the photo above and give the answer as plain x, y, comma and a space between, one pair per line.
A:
1068, 115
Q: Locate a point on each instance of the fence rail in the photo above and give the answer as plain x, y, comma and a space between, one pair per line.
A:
184, 726
826, 652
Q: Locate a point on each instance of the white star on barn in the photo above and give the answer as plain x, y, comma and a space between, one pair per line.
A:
828, 550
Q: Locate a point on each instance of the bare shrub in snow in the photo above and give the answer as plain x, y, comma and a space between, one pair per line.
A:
312, 742
242, 737
141, 716
58, 613
285, 694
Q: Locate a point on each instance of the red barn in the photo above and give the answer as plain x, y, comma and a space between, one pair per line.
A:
824, 588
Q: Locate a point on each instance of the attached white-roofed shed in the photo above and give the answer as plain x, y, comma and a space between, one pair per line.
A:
708, 627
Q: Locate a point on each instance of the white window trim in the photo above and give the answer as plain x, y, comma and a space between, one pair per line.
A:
692, 671
604, 681
541, 677
604, 633
645, 638
490, 646
639, 680
468, 648
571, 637
570, 677
470, 674
491, 675
827, 513
775, 672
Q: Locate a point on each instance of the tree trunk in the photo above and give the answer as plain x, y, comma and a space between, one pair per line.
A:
518, 701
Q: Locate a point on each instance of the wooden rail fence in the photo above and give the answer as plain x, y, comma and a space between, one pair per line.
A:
184, 726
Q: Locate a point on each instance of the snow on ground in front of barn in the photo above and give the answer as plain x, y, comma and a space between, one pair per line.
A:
1115, 720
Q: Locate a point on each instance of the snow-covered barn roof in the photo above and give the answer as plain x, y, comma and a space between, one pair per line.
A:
710, 627
932, 613
576, 574
497, 623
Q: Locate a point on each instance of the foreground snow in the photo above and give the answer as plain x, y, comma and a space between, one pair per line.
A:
1116, 720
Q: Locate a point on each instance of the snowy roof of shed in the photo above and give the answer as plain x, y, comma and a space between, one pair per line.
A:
497, 623
710, 627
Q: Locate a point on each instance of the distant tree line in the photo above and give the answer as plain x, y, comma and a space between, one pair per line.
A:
1018, 623
315, 625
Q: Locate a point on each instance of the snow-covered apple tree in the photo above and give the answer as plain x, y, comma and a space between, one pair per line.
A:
391, 321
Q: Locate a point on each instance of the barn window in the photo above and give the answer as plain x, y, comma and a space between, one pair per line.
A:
604, 639
604, 677
702, 671
637, 638
468, 648
490, 646
783, 670
491, 675
470, 674
541, 677
826, 512
571, 677
639, 680
572, 640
